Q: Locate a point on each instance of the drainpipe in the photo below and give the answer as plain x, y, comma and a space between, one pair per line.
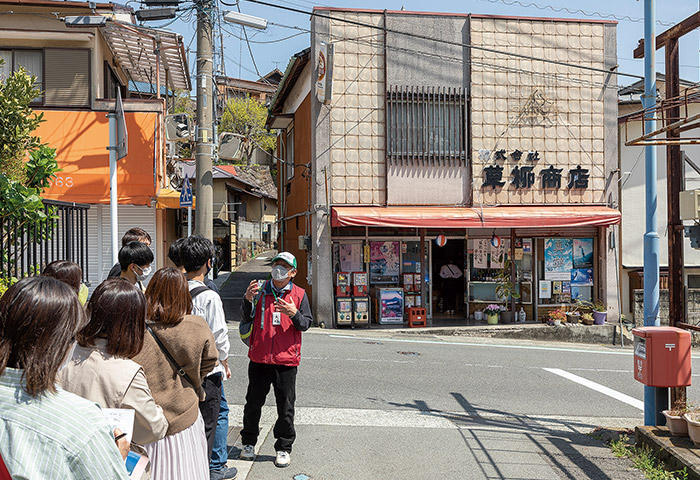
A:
652, 395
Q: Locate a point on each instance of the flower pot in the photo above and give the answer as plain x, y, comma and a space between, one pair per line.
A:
492, 319
478, 315
556, 322
599, 317
506, 316
692, 421
677, 425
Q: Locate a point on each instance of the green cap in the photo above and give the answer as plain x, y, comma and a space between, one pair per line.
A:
287, 257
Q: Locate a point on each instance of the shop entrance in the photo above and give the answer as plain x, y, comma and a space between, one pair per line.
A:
447, 272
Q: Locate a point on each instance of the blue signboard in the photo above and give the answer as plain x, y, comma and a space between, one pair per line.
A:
186, 193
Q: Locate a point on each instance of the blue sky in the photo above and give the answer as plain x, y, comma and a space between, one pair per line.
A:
276, 54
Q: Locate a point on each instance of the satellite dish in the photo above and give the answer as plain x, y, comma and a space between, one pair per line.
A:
230, 146
178, 127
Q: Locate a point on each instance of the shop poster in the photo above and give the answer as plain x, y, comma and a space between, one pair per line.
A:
351, 257
558, 258
566, 288
385, 263
481, 248
583, 253
499, 254
527, 246
545, 289
556, 287
582, 277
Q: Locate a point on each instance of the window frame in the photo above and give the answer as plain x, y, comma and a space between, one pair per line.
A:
12, 50
289, 154
440, 114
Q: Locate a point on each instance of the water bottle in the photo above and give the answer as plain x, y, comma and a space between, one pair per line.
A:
522, 316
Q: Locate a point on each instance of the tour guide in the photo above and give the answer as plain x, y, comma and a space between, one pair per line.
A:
279, 312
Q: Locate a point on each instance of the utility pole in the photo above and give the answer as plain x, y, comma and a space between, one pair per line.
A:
652, 396
204, 135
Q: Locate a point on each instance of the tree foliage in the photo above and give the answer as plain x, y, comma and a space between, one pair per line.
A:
26, 165
17, 123
247, 116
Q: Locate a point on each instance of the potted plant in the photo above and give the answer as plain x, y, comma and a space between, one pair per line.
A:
677, 424
587, 318
491, 311
692, 426
556, 317
506, 290
600, 312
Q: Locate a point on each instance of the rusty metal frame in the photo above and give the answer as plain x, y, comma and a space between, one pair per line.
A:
677, 124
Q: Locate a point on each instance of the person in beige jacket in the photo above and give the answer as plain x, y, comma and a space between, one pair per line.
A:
182, 454
100, 368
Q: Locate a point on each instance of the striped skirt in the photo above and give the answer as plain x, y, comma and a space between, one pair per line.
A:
182, 456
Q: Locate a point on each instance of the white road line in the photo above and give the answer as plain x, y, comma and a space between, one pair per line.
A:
490, 345
598, 387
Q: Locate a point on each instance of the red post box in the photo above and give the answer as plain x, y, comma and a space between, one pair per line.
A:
662, 356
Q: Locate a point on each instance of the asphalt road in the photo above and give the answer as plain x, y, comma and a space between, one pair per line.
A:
374, 405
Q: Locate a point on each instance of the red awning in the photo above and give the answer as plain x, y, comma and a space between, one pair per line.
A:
475, 217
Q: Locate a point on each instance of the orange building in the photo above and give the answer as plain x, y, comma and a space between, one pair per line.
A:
79, 71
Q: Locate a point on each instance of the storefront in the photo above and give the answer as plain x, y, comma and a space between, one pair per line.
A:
454, 261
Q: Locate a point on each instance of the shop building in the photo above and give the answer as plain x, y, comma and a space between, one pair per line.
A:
444, 140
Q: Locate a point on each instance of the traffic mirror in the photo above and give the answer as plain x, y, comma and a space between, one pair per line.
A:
178, 127
231, 146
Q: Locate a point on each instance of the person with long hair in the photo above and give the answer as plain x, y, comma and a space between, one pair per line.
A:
177, 341
69, 273
101, 369
46, 432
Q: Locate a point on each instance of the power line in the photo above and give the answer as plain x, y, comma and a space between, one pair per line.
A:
447, 42
461, 60
606, 16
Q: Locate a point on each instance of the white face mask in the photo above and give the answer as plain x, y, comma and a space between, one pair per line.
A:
145, 272
279, 273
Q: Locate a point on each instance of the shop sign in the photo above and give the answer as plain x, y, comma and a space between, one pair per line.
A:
525, 176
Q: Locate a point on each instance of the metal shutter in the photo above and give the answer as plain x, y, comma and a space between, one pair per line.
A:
100, 243
67, 77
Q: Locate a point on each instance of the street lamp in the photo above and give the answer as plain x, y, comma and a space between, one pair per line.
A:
245, 20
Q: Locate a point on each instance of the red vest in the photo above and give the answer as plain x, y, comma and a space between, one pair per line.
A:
276, 344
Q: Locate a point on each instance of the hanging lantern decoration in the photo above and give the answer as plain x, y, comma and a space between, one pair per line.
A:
496, 241
440, 240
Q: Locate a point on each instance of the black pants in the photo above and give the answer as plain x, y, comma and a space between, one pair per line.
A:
209, 408
283, 380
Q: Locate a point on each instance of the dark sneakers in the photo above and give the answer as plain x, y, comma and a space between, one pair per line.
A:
225, 473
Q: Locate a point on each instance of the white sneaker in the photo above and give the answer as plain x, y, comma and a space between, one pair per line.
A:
282, 459
248, 452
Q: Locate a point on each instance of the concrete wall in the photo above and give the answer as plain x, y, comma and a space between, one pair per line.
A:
413, 62
556, 110
357, 111
693, 307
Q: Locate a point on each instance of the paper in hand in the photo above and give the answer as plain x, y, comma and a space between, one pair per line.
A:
121, 418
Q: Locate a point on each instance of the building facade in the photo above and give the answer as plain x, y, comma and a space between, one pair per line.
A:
486, 143
633, 225
80, 70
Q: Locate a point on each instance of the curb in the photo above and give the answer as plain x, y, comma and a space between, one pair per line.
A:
676, 452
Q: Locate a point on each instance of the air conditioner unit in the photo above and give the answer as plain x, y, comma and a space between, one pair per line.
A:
690, 205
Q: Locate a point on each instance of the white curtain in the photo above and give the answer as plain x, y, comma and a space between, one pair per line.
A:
6, 67
31, 60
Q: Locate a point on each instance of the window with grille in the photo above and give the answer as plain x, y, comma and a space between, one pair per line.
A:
426, 123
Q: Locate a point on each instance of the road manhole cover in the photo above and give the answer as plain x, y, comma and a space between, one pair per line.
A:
411, 354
